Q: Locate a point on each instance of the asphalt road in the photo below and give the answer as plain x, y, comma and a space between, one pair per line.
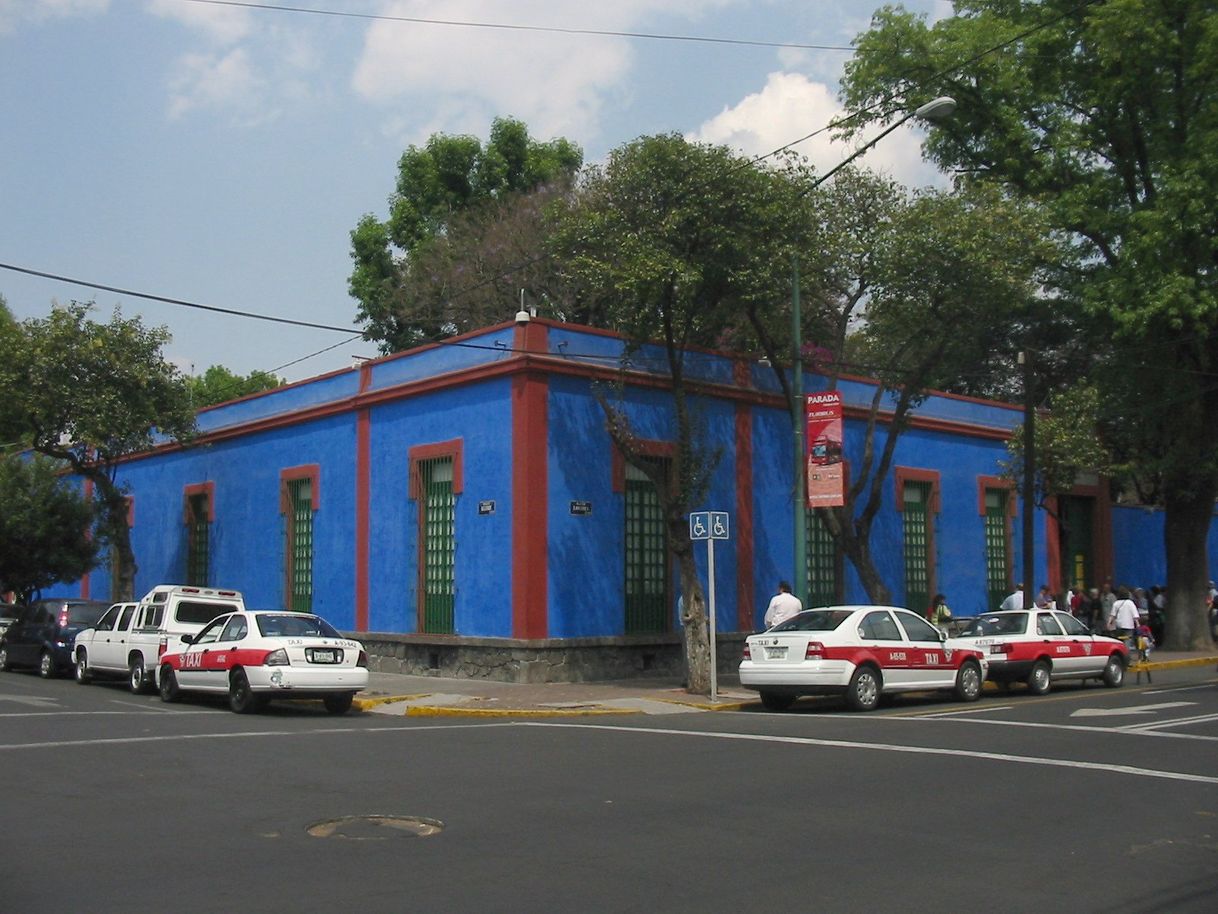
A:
1084, 800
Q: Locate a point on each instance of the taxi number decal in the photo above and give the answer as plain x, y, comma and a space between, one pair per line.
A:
1063, 648
897, 655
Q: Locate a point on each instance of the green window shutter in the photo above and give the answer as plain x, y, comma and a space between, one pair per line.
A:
438, 572
647, 609
300, 545
916, 517
198, 541
997, 547
823, 563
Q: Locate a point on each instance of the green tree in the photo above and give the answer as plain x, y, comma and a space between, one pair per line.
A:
669, 240
89, 395
219, 385
1105, 115
45, 526
448, 176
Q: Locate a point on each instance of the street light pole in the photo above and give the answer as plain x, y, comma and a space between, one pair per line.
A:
934, 110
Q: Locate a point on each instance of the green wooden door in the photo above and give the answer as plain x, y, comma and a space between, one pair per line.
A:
997, 547
917, 545
300, 545
438, 554
647, 608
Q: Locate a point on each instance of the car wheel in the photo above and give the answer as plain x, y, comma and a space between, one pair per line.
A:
241, 697
169, 685
137, 677
1114, 672
339, 704
776, 701
46, 665
83, 676
968, 681
863, 693
5, 666
1038, 679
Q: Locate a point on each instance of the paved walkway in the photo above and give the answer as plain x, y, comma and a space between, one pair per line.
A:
399, 694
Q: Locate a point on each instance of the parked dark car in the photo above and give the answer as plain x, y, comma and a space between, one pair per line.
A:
42, 634
8, 613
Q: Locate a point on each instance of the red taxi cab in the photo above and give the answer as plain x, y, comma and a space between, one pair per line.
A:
1038, 646
255, 656
860, 652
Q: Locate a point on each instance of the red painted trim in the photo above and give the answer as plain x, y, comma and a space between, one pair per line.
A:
453, 448
198, 488
311, 471
902, 475
646, 448
363, 500
531, 337
530, 506
745, 610
1053, 548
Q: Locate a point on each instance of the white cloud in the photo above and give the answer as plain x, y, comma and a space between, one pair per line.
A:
556, 83
15, 12
225, 81
791, 106
224, 24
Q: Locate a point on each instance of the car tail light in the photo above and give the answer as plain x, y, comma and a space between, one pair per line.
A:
363, 659
63, 617
161, 648
276, 658
748, 655
815, 651
1004, 648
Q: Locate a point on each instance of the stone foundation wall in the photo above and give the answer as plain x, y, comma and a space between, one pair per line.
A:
542, 660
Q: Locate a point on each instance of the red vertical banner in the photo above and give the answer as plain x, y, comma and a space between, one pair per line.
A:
823, 449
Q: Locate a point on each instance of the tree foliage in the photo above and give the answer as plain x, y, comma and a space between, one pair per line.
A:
219, 385
1105, 115
45, 526
90, 394
668, 240
440, 189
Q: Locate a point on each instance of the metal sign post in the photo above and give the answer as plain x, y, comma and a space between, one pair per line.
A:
710, 526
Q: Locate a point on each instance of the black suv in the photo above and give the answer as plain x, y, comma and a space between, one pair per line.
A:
42, 634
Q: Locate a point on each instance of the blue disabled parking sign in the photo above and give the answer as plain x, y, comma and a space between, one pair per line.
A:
708, 525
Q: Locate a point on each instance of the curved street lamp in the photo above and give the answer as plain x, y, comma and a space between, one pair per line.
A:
934, 110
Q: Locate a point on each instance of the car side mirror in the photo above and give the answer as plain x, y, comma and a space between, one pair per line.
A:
942, 637
188, 639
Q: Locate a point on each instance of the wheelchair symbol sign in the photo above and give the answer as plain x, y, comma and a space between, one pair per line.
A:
708, 525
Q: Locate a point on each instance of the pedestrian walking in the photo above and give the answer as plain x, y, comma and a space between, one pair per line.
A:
1014, 600
1123, 619
938, 614
783, 606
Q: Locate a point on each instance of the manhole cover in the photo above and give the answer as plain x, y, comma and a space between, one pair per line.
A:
375, 828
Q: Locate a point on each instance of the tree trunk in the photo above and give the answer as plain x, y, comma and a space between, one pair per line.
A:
694, 620
858, 550
1187, 519
117, 531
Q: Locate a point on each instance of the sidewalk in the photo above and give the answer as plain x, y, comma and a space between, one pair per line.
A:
399, 694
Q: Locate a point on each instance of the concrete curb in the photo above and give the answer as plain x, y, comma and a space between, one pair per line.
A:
1151, 665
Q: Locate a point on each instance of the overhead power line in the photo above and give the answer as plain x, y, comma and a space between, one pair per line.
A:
503, 26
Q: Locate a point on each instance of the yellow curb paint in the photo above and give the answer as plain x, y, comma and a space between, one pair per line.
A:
425, 711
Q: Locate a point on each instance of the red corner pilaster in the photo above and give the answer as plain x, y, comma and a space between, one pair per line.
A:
530, 540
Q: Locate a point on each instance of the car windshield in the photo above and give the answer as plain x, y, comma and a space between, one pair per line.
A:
85, 613
999, 624
814, 620
295, 625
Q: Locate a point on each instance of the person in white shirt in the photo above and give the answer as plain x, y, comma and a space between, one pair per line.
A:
783, 606
1014, 600
1123, 618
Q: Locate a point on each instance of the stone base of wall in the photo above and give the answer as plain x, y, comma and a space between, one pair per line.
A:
541, 660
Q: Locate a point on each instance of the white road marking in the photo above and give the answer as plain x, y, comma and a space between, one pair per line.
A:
32, 700
1209, 686
1081, 728
938, 715
1140, 709
1164, 724
911, 750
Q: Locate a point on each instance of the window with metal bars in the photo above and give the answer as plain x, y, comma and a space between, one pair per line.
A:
823, 562
299, 545
997, 546
437, 559
916, 517
198, 543
647, 603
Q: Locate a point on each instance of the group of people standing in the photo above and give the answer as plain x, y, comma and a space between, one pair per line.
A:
1120, 611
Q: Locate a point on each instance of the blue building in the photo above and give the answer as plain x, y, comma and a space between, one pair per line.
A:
462, 506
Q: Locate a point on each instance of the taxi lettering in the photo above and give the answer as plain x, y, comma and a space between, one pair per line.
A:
1063, 648
192, 661
932, 658
897, 655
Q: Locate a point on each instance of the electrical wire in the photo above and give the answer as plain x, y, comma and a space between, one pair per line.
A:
608, 33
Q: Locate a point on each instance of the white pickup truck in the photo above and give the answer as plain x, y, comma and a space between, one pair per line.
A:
129, 638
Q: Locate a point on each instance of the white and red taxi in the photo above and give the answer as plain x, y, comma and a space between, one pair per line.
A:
254, 656
1037, 646
860, 652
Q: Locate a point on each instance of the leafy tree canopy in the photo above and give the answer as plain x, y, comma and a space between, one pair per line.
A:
448, 177
219, 385
44, 527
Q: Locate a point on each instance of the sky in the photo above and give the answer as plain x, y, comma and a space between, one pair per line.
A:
221, 153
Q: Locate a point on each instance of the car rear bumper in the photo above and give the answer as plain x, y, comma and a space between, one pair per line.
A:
286, 680
807, 679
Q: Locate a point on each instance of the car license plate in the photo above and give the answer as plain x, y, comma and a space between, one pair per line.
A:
776, 653
325, 655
